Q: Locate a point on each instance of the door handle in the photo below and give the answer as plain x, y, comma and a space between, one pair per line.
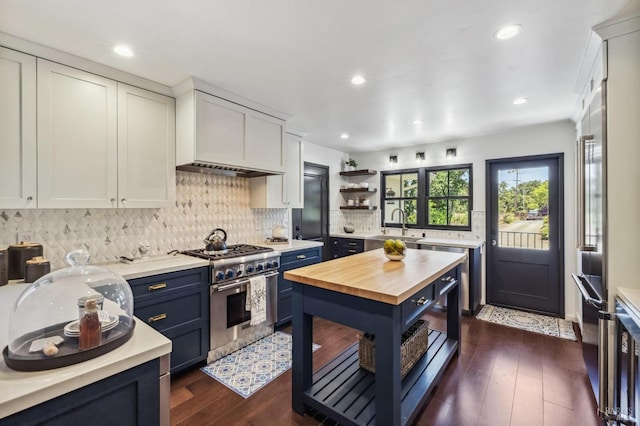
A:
494, 242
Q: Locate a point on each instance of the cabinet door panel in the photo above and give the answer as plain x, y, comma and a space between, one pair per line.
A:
146, 148
77, 138
17, 129
220, 130
294, 180
263, 143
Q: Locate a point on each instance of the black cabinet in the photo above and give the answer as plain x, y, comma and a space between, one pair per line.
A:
341, 247
292, 260
177, 305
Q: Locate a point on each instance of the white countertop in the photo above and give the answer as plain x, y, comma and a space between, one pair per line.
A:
451, 242
442, 242
631, 296
292, 245
354, 236
20, 390
155, 265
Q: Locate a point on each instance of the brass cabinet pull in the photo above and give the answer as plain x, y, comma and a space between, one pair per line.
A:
353, 251
157, 318
448, 279
157, 286
420, 301
301, 256
352, 244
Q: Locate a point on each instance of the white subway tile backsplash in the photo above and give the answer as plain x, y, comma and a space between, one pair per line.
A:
367, 222
204, 202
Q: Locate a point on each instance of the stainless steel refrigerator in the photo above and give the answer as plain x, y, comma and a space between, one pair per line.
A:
591, 205
608, 202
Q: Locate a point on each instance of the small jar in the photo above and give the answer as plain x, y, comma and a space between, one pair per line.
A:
35, 268
90, 327
4, 266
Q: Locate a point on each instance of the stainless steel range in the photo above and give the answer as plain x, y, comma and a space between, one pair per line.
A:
230, 274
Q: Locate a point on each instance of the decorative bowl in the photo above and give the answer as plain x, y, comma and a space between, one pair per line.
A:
349, 228
394, 256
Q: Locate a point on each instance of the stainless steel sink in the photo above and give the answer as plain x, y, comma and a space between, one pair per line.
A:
377, 241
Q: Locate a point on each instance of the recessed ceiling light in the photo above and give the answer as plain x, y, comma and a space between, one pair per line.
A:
358, 80
344, 136
520, 101
417, 122
123, 50
508, 31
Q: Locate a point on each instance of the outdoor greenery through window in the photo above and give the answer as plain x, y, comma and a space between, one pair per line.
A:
439, 197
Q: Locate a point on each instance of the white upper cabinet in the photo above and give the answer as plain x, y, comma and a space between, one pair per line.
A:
77, 138
294, 175
17, 130
102, 144
282, 191
146, 148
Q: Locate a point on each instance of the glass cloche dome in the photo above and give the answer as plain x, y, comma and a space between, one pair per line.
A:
46, 325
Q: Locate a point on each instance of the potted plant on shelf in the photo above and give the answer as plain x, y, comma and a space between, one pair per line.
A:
351, 165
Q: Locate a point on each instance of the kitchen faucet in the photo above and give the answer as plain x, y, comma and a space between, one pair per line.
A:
403, 219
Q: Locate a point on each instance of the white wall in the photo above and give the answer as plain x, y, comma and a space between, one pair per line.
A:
334, 159
556, 137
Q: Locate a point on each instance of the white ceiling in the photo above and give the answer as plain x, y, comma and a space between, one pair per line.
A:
434, 60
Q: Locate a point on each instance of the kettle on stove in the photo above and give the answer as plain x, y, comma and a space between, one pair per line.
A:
216, 243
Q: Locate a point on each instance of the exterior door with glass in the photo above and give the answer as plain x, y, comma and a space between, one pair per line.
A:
525, 233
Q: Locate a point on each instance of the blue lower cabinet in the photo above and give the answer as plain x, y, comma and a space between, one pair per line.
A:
128, 398
177, 305
291, 260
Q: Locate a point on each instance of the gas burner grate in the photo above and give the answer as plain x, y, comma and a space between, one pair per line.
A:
236, 250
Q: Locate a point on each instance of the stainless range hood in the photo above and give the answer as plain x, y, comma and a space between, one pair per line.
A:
222, 133
219, 169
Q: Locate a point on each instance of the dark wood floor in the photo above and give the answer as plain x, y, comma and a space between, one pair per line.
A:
503, 376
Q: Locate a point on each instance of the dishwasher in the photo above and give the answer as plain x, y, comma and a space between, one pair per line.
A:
442, 301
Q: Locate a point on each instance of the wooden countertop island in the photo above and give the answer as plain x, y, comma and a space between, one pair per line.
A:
380, 297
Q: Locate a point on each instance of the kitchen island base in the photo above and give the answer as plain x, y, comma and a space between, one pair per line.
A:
349, 394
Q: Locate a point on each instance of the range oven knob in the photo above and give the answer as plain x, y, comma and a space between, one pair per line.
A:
269, 265
220, 275
249, 269
275, 263
260, 267
230, 273
239, 272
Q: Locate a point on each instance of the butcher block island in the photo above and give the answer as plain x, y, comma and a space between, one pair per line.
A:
382, 298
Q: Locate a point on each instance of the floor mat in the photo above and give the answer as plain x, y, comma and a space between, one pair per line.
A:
542, 324
252, 367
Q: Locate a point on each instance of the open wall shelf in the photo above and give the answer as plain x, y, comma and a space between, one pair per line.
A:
364, 172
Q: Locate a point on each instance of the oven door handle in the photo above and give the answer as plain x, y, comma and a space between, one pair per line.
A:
582, 283
238, 283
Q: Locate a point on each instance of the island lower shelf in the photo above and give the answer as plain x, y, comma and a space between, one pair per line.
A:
345, 392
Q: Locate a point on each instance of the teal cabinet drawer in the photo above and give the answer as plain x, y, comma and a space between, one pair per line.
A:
415, 306
292, 259
156, 285
179, 309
